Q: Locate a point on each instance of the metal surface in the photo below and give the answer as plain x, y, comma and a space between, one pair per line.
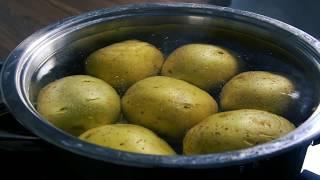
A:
1, 102
54, 52
7, 135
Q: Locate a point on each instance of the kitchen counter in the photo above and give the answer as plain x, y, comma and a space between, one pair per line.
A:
20, 18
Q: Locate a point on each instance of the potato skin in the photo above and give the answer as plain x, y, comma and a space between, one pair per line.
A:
206, 66
167, 106
128, 137
234, 130
258, 90
124, 63
78, 103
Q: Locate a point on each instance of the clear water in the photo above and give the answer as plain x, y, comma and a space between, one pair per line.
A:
256, 54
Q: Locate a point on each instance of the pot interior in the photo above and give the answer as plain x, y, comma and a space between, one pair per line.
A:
259, 45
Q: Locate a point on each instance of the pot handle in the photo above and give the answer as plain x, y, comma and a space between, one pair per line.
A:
14, 137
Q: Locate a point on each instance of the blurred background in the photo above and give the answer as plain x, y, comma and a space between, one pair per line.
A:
20, 18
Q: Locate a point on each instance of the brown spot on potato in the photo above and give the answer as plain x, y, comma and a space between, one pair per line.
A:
187, 106
63, 109
87, 136
220, 52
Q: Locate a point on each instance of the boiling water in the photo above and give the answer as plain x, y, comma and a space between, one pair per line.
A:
256, 55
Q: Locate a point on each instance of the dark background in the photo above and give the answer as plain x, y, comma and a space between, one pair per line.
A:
20, 18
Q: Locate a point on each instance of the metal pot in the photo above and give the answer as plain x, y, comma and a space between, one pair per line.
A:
56, 51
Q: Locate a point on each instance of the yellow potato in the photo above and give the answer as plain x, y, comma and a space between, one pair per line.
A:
124, 63
128, 137
258, 90
166, 105
234, 130
78, 103
206, 66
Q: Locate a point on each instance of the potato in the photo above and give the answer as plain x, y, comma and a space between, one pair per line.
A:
206, 66
124, 63
78, 103
128, 137
234, 130
258, 90
166, 105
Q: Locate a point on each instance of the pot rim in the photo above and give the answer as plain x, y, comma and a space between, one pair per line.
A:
18, 105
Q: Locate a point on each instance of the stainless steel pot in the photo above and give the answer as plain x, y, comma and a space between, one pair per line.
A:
59, 49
